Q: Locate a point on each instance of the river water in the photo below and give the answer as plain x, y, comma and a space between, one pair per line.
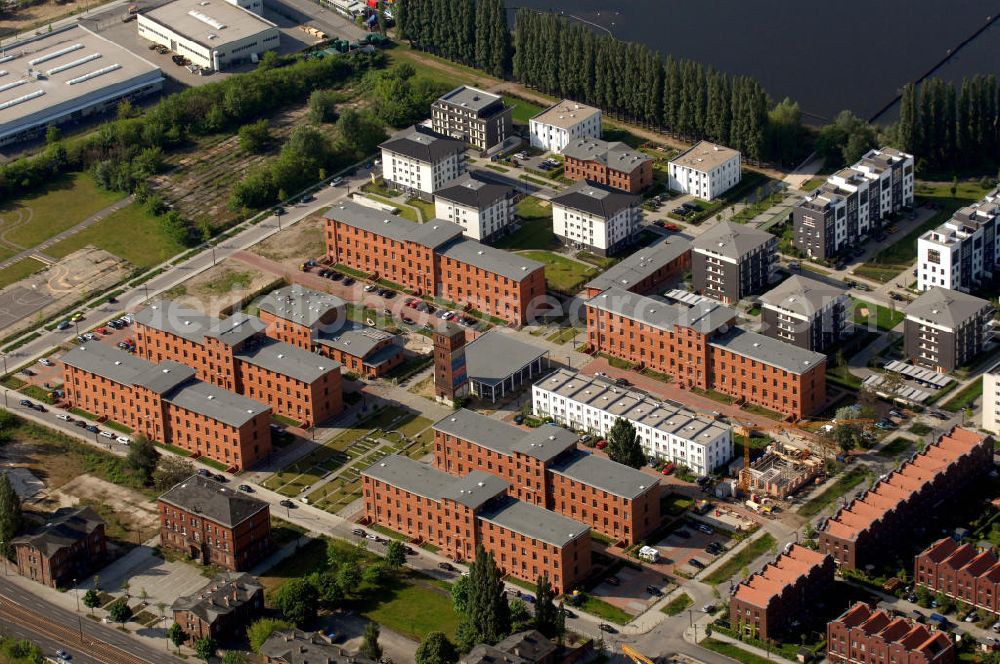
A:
827, 55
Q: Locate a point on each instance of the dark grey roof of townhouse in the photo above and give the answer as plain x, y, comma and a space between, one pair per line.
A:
65, 527
768, 350
804, 295
615, 155
704, 317
492, 357
288, 360
945, 307
543, 443
643, 263
354, 339
214, 402
534, 522
108, 362
471, 191
490, 259
530, 645
213, 500
175, 318
299, 304
422, 144
486, 654
731, 240
294, 646
470, 98
604, 474
421, 479
222, 595
595, 199
431, 234
164, 376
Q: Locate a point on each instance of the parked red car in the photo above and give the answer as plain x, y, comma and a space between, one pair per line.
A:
669, 468
601, 444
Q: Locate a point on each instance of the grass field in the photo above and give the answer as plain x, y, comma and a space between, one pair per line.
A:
732, 651
63, 204
562, 274
598, 607
536, 226
426, 209
844, 483
19, 270
415, 607
677, 604
118, 234
523, 110
741, 559
884, 318
966, 397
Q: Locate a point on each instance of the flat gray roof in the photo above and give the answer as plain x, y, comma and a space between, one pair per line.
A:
490, 259
566, 113
803, 295
732, 240
210, 23
595, 199
604, 474
79, 68
768, 350
534, 522
471, 98
473, 490
492, 357
704, 316
543, 443
288, 360
299, 304
432, 234
644, 262
704, 156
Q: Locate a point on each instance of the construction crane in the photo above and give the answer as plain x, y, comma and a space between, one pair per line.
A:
635, 655
745, 471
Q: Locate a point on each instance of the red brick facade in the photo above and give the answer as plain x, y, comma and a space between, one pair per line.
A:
865, 635
595, 170
64, 550
223, 608
960, 571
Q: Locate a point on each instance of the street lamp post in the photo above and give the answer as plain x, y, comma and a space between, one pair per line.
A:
213, 254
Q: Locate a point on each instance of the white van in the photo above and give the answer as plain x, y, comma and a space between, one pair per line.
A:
649, 554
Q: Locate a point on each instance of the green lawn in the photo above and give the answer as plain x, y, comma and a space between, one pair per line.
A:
741, 559
732, 651
19, 270
966, 397
598, 607
523, 110
844, 483
675, 503
677, 604
562, 274
129, 233
884, 318
63, 204
897, 447
536, 226
426, 209
416, 607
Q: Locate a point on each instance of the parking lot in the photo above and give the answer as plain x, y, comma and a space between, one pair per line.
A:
688, 543
631, 594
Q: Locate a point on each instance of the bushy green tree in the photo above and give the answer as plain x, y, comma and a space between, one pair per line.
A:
435, 648
120, 611
370, 646
322, 106
143, 458
205, 648
261, 630
395, 554
487, 615
298, 601
624, 446
255, 137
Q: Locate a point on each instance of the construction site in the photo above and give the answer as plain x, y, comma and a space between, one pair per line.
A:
779, 472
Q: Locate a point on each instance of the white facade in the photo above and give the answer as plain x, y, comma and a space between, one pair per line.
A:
477, 223
991, 401
665, 431
255, 6
593, 230
555, 127
705, 171
421, 176
940, 251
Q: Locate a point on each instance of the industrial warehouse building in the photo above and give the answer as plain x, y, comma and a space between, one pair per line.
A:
66, 75
210, 33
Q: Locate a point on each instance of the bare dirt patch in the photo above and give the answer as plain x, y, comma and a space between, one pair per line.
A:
220, 288
293, 245
25, 18
132, 510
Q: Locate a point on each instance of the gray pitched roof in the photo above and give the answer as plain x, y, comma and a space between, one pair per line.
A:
295, 646
946, 307
534, 522
492, 357
299, 304
472, 490
108, 362
471, 191
64, 528
803, 295
486, 654
731, 240
222, 595
704, 156
423, 144
213, 500
215, 402
432, 234
605, 474
164, 377
628, 272
490, 259
595, 199
175, 318
768, 350
543, 443
704, 317
530, 645
288, 360
615, 155
356, 340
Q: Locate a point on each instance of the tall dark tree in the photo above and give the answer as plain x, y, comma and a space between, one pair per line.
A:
546, 613
909, 126
11, 517
487, 615
623, 444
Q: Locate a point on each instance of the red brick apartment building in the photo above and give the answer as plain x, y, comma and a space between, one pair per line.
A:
167, 404
700, 346
435, 259
765, 604
230, 602
960, 571
866, 635
236, 354
459, 513
215, 525
318, 322
544, 467
647, 269
70, 545
611, 164
882, 519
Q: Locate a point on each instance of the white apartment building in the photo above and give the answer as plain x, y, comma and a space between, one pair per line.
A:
556, 126
705, 171
255, 6
419, 162
666, 430
991, 400
596, 218
484, 210
963, 251
210, 33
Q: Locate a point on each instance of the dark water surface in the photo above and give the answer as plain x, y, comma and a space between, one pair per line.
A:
827, 55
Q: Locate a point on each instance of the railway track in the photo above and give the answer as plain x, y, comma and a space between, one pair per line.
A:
91, 645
